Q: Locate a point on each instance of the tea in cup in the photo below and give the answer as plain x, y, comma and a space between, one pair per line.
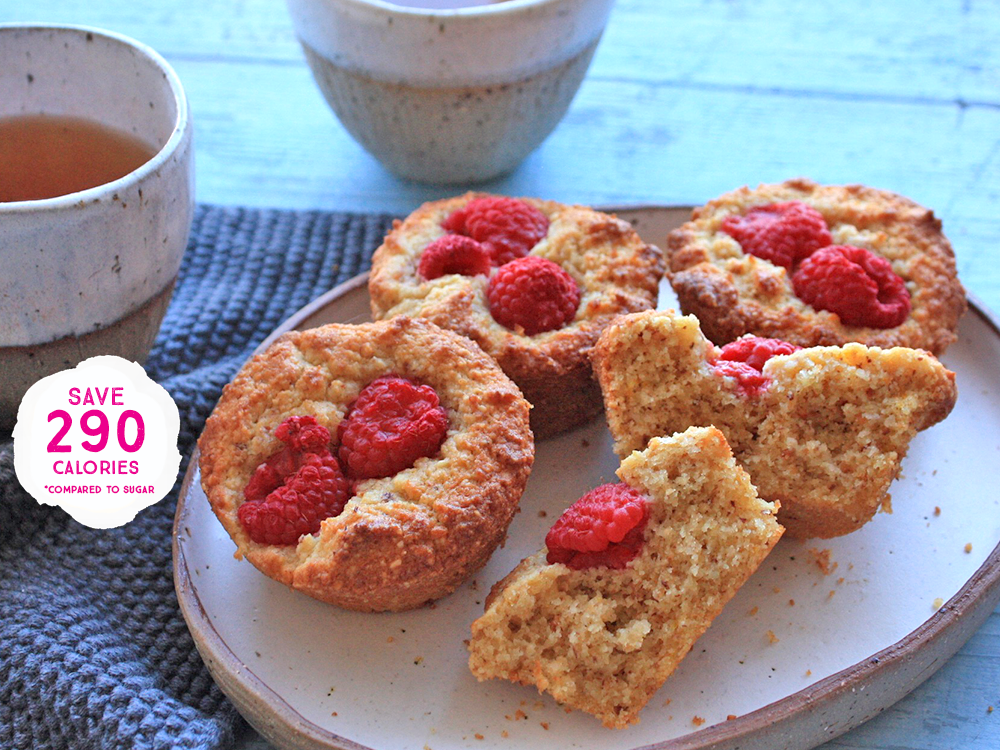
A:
96, 199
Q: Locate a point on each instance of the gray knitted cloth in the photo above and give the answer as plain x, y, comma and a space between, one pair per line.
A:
94, 652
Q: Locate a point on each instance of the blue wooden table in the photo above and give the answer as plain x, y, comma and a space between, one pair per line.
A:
685, 100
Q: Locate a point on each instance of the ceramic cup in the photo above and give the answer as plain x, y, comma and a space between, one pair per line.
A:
449, 96
91, 272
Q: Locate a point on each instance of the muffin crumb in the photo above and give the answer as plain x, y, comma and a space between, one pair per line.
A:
705, 534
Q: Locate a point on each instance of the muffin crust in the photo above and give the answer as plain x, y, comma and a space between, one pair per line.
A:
733, 293
404, 539
614, 269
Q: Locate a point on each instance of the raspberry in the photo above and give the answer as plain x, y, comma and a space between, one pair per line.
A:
302, 436
602, 528
755, 351
508, 227
454, 253
750, 379
317, 490
783, 233
393, 422
271, 474
295, 488
744, 359
857, 285
533, 294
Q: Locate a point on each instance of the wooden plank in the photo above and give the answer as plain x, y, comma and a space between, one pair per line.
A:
931, 51
646, 143
189, 29
950, 710
277, 144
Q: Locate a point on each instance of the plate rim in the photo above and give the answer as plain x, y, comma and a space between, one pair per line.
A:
275, 719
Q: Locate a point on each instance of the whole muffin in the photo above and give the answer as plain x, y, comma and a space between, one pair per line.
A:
533, 282
388, 542
818, 265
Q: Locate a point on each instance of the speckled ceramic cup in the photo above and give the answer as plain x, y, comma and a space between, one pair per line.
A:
91, 272
449, 96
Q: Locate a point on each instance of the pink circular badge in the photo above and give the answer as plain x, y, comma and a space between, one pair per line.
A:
99, 440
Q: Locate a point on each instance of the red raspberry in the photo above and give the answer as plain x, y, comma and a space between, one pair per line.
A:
302, 435
744, 359
295, 488
533, 294
393, 422
271, 474
317, 490
755, 351
783, 233
750, 379
602, 528
508, 227
857, 285
454, 253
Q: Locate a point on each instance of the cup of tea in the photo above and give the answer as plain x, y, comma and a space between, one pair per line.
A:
96, 199
449, 91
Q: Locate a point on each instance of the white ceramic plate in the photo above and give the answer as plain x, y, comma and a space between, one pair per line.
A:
796, 658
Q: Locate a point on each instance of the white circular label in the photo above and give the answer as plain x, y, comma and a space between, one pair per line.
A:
100, 441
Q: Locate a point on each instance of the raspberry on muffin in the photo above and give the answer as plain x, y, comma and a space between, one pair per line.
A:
509, 228
818, 265
603, 528
859, 286
294, 490
559, 274
822, 430
372, 466
532, 295
454, 253
393, 422
600, 624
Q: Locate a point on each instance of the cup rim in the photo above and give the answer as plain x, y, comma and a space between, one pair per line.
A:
177, 134
496, 8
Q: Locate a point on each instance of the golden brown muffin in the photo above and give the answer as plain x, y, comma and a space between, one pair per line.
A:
734, 293
604, 640
402, 540
825, 437
614, 269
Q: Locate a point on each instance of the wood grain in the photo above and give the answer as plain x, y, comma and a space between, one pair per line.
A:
932, 51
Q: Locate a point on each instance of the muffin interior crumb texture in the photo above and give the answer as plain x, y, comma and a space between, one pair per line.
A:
604, 640
825, 438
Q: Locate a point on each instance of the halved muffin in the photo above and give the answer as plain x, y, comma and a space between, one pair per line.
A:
821, 430
601, 633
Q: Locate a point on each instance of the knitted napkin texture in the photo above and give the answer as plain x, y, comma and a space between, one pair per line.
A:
94, 652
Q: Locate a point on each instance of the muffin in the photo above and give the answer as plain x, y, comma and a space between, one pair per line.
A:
532, 282
601, 630
821, 430
818, 265
371, 466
